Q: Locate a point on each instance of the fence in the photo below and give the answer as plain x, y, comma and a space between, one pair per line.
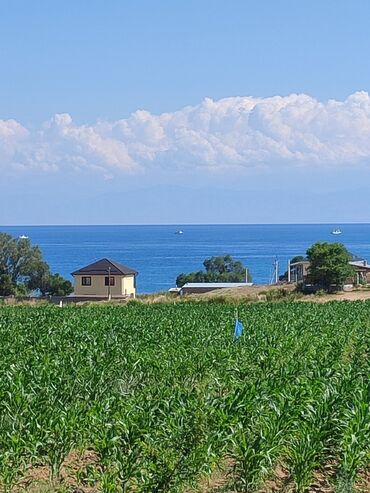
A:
55, 300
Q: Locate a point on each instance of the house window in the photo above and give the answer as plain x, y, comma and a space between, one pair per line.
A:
86, 281
111, 283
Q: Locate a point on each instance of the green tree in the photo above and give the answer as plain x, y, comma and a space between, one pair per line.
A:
329, 265
22, 268
297, 258
217, 269
56, 285
19, 260
7, 288
182, 279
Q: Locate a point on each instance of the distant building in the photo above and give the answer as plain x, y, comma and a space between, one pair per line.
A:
205, 287
105, 278
174, 291
299, 271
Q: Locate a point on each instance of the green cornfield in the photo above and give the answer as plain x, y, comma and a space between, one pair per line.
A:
164, 401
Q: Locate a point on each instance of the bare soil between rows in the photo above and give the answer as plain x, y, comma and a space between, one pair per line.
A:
37, 479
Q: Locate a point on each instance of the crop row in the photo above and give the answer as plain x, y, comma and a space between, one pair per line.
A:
163, 396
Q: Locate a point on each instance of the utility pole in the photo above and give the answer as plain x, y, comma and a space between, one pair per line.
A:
275, 272
109, 293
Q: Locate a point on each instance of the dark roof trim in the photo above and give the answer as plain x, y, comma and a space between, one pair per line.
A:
355, 258
103, 267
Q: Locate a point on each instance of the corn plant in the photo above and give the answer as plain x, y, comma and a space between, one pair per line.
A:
162, 395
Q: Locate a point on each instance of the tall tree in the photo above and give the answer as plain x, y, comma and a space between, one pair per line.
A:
217, 269
18, 259
55, 285
23, 268
329, 265
7, 288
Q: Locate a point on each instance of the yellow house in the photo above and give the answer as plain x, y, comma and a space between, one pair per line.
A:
105, 279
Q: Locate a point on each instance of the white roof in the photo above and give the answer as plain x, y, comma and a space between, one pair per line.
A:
360, 263
217, 284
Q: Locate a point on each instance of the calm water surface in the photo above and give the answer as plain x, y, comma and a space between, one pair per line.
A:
160, 255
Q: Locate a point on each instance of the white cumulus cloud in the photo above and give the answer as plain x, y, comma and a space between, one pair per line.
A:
235, 132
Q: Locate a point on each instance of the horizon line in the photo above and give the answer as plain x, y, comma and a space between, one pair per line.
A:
335, 223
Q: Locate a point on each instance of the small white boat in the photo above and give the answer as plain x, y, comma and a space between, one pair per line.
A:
23, 237
336, 232
179, 232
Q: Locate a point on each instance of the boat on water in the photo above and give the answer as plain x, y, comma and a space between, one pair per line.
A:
179, 232
336, 232
23, 237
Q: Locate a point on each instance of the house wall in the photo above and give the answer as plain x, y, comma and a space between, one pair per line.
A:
128, 285
98, 287
362, 275
299, 271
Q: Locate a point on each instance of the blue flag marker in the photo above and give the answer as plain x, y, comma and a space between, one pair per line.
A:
238, 329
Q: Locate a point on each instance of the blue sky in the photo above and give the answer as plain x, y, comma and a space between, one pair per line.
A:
172, 112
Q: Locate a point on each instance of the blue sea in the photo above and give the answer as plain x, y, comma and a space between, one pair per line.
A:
159, 254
